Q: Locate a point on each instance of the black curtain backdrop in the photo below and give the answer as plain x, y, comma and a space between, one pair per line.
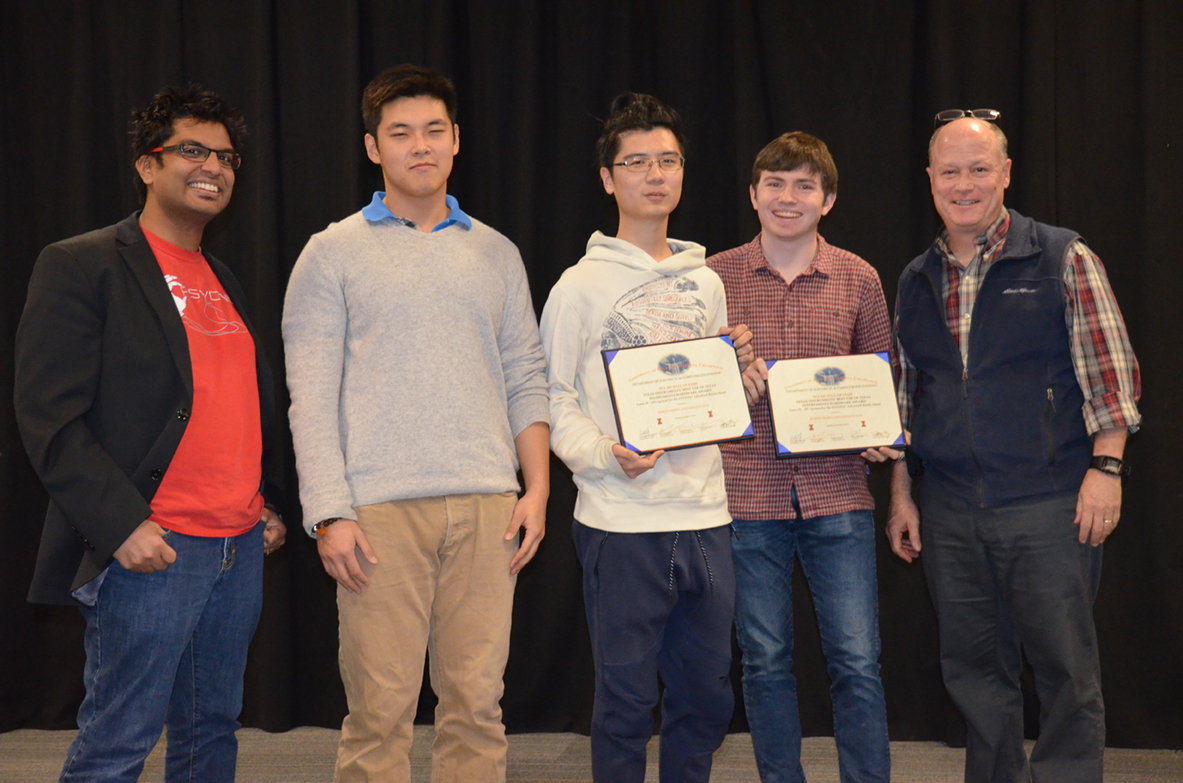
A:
1091, 96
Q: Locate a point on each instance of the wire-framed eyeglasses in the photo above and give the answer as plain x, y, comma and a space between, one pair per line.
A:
199, 154
640, 164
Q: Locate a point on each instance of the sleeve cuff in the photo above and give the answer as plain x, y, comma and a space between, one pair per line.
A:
1111, 411
529, 410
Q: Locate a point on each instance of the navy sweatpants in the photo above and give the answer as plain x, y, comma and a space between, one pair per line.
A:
658, 603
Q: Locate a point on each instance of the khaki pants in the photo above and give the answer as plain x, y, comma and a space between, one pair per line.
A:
442, 583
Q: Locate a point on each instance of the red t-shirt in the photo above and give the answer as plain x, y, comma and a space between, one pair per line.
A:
211, 487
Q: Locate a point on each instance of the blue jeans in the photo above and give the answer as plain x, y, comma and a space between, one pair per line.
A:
837, 553
169, 646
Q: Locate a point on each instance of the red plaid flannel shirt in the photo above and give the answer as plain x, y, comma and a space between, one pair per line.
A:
834, 307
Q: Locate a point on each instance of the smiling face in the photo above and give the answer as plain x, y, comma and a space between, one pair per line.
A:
790, 203
650, 195
969, 176
185, 191
415, 144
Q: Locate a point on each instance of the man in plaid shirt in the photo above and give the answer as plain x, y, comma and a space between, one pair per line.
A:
803, 297
1019, 386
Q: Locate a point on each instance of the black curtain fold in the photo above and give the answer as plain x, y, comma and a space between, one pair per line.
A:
1091, 96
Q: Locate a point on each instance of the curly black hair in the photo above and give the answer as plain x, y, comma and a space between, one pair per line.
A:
152, 125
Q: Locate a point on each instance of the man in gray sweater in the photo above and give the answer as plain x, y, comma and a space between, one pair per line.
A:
407, 459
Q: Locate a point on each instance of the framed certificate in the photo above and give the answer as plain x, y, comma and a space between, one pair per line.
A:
833, 405
677, 395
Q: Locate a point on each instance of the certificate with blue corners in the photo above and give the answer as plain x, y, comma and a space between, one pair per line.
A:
678, 395
833, 405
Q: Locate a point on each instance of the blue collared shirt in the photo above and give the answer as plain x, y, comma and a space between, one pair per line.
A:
377, 210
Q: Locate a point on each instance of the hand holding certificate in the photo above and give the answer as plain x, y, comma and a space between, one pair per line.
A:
833, 405
677, 395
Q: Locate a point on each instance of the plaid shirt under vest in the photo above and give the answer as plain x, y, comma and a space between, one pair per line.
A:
834, 307
1105, 365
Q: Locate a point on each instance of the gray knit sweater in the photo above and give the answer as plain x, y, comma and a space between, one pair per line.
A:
413, 362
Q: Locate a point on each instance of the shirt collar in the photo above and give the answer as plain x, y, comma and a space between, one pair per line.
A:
990, 240
377, 211
821, 260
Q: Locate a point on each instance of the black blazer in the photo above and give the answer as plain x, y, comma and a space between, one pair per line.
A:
102, 392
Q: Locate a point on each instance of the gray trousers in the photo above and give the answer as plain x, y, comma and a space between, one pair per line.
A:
1007, 577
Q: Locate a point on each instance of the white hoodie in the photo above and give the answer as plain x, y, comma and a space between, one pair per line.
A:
618, 296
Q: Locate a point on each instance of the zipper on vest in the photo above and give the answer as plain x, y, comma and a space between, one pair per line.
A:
969, 433
1048, 415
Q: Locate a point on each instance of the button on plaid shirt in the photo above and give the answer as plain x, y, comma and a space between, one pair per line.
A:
834, 307
1105, 365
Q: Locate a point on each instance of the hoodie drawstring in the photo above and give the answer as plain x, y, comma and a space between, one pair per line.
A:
673, 552
701, 548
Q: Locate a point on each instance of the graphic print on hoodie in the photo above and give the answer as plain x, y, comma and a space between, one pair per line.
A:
659, 311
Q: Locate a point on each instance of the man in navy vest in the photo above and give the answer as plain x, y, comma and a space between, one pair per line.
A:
1018, 385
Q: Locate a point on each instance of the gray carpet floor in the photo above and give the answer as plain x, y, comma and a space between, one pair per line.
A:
306, 756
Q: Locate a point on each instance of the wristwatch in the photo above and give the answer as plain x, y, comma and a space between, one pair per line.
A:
1110, 465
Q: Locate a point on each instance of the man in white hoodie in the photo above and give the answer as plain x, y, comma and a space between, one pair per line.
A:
652, 533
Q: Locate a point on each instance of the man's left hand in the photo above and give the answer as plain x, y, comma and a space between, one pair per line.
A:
529, 513
274, 531
882, 454
755, 379
741, 338
1098, 508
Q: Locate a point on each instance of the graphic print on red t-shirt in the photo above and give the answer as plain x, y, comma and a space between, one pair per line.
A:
211, 312
211, 486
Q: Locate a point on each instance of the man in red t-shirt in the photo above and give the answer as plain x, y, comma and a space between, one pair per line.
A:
146, 407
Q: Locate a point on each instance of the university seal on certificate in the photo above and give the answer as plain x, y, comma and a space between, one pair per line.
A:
833, 405
677, 395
